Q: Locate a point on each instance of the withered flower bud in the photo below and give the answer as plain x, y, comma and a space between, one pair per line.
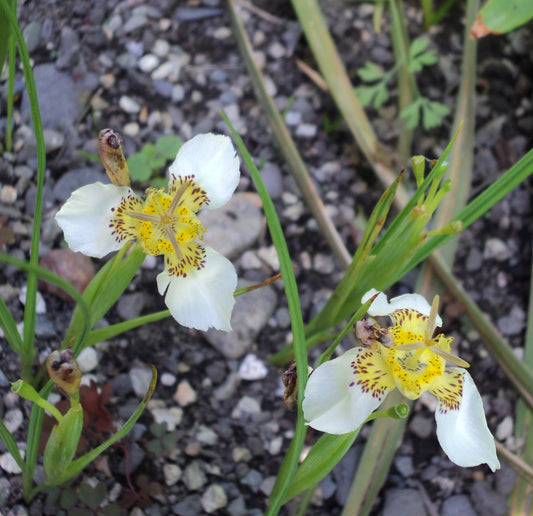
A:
64, 371
290, 380
368, 331
110, 150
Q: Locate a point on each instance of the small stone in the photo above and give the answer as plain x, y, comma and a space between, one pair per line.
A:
252, 368
274, 446
206, 435
171, 416
403, 502
323, 263
148, 63
185, 394
194, 476
168, 379
250, 314
76, 268
214, 498
505, 428
276, 50
422, 426
404, 465
267, 485
135, 22
306, 131
513, 323
13, 419
172, 474
129, 105
131, 129
240, 454
8, 194
40, 306
246, 406
161, 48
53, 140
458, 504
140, 380
496, 249
9, 464
87, 359
222, 33
130, 306
178, 93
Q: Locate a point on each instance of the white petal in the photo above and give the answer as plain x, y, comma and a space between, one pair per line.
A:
381, 306
463, 434
333, 402
204, 298
211, 158
86, 216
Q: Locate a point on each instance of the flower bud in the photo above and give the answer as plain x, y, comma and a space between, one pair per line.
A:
110, 150
63, 442
64, 371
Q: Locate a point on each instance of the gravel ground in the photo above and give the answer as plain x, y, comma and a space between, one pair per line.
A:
214, 434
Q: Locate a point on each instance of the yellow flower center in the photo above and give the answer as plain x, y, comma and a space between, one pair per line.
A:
166, 223
412, 359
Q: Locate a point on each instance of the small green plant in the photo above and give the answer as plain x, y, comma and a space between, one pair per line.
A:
164, 442
147, 164
84, 500
375, 91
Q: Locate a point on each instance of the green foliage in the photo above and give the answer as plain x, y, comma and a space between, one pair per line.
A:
147, 164
501, 16
375, 91
84, 500
164, 442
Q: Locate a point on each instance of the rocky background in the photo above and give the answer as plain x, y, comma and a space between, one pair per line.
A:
214, 434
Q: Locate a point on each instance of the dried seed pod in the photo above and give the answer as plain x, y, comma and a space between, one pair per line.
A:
64, 371
290, 381
110, 150
368, 331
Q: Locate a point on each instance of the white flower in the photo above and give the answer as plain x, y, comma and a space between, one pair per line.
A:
198, 283
342, 393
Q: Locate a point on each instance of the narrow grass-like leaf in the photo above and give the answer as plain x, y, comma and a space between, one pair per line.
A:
108, 332
79, 464
31, 292
321, 459
9, 326
290, 462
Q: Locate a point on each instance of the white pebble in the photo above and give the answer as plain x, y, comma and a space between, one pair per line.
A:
161, 48
171, 416
148, 63
13, 419
129, 105
131, 129
9, 464
185, 394
40, 306
172, 474
252, 368
168, 379
87, 360
140, 380
8, 194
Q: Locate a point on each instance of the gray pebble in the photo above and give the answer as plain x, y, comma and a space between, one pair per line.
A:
343, 473
458, 504
496, 249
404, 464
474, 260
250, 314
195, 13
53, 140
306, 130
487, 501
403, 502
194, 476
134, 23
271, 176
76, 178
214, 498
246, 406
32, 35
513, 323
130, 306
140, 380
44, 328
253, 480
422, 426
